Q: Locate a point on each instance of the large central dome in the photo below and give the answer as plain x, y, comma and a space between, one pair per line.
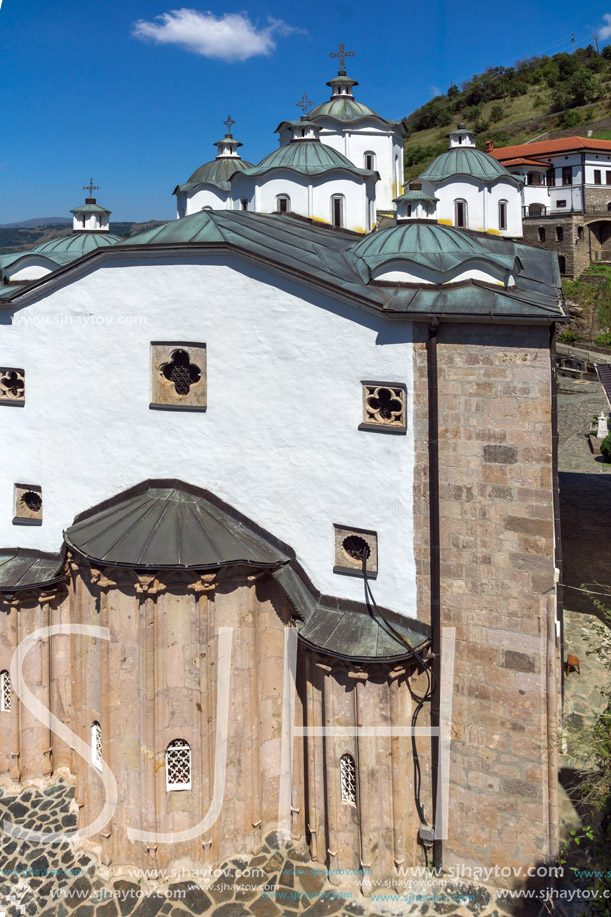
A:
308, 156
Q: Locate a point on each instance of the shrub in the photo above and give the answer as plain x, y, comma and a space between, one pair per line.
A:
570, 119
569, 337
496, 113
605, 448
604, 339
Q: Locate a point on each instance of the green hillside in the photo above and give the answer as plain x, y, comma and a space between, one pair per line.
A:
515, 104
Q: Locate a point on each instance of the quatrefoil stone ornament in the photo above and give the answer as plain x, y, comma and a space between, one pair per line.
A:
178, 376
12, 386
384, 407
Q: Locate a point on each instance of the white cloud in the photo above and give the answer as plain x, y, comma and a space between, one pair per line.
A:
605, 31
230, 37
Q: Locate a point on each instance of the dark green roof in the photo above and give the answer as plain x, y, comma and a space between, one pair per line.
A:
169, 526
77, 244
346, 110
415, 197
466, 161
90, 208
217, 171
309, 157
432, 245
22, 568
314, 255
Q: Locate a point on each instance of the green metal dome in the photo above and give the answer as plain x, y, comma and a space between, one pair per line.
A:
79, 243
466, 161
429, 244
344, 109
218, 170
307, 156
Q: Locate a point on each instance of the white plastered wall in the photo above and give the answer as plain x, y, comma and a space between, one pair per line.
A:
279, 440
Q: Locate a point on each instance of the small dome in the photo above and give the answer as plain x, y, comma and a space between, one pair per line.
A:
79, 243
432, 245
310, 157
466, 161
219, 170
346, 109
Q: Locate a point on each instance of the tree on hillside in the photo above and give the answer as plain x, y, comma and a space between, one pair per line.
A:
578, 89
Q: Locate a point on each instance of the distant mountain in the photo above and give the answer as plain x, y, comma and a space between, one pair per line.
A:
21, 237
37, 221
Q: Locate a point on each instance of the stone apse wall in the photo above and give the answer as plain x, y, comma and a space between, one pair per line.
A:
497, 585
156, 680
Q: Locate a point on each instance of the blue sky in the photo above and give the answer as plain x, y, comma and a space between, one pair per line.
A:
85, 91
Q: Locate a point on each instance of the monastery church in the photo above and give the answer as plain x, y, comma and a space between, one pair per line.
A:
307, 427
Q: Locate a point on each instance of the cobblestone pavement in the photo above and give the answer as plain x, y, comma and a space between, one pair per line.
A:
45, 880
585, 510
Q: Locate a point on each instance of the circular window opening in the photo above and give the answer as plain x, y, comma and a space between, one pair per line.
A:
355, 547
32, 500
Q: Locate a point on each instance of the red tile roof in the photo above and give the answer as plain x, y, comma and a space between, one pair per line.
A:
523, 161
548, 147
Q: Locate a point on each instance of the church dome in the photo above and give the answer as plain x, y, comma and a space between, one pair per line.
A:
218, 170
79, 243
308, 157
466, 161
431, 245
344, 109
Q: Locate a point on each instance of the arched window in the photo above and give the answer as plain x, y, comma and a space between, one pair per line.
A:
579, 233
559, 234
206, 207
609, 206
5, 691
283, 203
370, 161
460, 213
347, 777
502, 214
178, 765
562, 264
337, 210
96, 745
244, 203
541, 234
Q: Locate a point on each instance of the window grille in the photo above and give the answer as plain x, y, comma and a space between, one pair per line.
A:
347, 773
5, 691
178, 765
96, 745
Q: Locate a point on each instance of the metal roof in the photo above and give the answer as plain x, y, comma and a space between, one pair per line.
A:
604, 374
169, 526
415, 196
326, 258
22, 568
90, 208
467, 161
310, 157
78, 243
346, 109
217, 170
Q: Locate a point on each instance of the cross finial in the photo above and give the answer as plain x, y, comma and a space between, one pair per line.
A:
304, 104
91, 187
229, 123
342, 54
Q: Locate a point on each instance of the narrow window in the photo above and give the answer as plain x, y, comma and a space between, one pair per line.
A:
337, 210
541, 234
550, 177
283, 203
609, 206
83, 222
559, 234
244, 203
370, 161
567, 175
178, 765
597, 177
579, 233
562, 264
347, 776
409, 210
5, 691
502, 214
96, 745
460, 213
607, 178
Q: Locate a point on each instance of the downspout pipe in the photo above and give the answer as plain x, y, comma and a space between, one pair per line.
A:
434, 565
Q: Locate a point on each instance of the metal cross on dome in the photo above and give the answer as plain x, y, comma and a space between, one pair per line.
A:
304, 104
229, 123
342, 54
91, 187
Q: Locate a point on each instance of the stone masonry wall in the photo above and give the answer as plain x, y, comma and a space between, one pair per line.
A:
497, 584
